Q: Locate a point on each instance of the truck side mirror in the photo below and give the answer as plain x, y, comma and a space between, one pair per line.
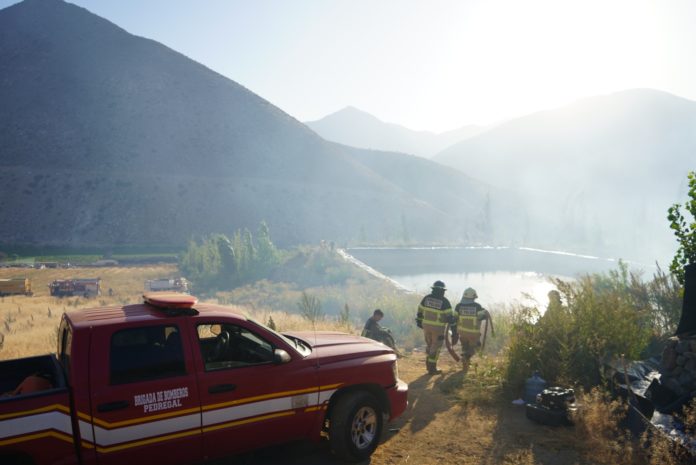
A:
280, 357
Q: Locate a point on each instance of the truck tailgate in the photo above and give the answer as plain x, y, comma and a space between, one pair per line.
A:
38, 425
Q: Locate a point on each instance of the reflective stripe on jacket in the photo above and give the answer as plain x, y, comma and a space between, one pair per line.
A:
468, 317
436, 311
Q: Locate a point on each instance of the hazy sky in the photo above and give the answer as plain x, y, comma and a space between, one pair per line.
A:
434, 64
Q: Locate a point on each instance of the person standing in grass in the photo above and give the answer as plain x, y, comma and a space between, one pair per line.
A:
434, 313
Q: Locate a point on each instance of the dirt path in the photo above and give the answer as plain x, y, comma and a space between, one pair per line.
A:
440, 427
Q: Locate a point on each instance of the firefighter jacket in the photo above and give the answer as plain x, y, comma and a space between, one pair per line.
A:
469, 315
435, 311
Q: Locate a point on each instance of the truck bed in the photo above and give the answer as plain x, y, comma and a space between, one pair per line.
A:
13, 372
36, 424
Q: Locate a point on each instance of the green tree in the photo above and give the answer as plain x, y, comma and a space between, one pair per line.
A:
685, 230
218, 262
250, 253
266, 251
201, 262
228, 260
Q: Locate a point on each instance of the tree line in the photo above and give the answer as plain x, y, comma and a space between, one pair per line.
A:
220, 262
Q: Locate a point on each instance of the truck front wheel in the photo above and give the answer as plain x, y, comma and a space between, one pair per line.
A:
355, 426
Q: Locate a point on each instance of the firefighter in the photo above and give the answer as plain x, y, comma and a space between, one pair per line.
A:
469, 315
434, 313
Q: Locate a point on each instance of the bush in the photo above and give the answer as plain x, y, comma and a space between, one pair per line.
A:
685, 230
604, 315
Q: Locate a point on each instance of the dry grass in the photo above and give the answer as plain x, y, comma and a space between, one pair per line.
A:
29, 324
597, 425
599, 429
291, 322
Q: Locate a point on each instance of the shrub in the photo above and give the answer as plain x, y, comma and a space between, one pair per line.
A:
603, 315
685, 231
310, 308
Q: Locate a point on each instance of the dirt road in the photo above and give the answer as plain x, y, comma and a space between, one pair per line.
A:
442, 426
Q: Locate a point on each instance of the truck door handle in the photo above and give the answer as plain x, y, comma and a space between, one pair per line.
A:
110, 406
221, 388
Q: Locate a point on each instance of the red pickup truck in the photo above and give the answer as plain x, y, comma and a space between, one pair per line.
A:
171, 381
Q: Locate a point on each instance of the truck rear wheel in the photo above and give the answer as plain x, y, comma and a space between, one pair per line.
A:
355, 426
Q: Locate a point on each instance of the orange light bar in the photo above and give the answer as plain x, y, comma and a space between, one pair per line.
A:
170, 300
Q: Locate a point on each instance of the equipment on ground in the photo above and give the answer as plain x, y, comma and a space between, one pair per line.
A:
553, 406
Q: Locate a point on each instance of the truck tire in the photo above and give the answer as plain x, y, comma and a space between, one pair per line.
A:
355, 426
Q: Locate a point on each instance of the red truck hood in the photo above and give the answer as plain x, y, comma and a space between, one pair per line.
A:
331, 344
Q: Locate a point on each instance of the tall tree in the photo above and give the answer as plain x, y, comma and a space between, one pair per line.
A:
266, 250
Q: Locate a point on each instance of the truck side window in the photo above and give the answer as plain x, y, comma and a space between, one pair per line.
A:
145, 353
231, 346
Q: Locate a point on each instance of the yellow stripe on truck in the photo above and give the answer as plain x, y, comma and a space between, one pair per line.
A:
31, 437
248, 420
48, 408
182, 434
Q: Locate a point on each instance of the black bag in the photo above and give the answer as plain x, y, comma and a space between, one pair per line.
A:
556, 398
552, 407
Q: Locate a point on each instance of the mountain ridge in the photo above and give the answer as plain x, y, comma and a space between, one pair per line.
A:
357, 128
109, 138
603, 164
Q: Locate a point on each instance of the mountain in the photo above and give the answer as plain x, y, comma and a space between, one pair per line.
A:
599, 173
354, 127
112, 139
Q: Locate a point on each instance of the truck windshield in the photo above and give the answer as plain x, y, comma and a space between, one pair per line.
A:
299, 345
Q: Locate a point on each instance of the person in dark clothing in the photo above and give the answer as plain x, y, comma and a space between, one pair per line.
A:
373, 329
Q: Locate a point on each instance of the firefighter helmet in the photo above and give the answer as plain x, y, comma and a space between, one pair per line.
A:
470, 293
439, 285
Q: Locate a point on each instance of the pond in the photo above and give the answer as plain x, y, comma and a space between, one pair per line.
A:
499, 274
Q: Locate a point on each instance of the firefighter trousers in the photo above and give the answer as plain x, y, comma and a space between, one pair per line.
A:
434, 338
470, 342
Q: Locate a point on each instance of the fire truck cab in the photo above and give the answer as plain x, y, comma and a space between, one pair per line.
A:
174, 381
